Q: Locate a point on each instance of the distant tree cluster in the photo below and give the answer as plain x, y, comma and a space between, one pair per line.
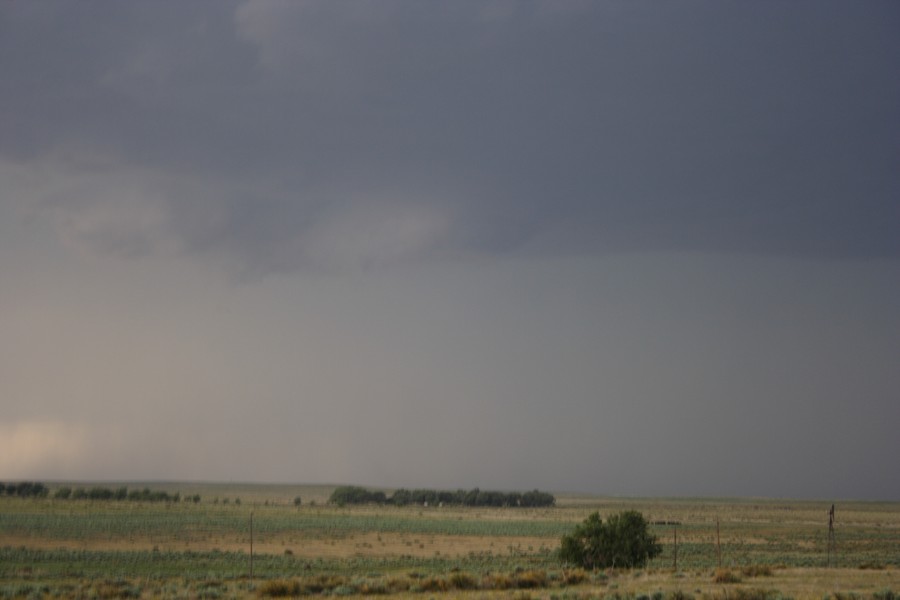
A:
122, 493
351, 494
24, 489
475, 497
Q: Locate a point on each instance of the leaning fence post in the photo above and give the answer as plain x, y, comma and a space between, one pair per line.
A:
675, 534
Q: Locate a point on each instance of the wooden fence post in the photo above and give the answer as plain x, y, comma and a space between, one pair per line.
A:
675, 534
718, 545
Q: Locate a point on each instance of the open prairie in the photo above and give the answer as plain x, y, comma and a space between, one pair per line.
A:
726, 548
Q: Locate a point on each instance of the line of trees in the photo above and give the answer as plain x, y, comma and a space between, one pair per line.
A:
121, 493
24, 489
349, 494
29, 489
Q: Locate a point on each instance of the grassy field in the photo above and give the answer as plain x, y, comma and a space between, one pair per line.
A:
767, 549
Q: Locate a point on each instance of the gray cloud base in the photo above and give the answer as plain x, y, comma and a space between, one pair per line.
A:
519, 127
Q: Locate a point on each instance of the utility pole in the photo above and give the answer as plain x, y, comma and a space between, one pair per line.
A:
251, 546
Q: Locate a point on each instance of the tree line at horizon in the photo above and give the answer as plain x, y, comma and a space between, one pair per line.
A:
29, 489
351, 494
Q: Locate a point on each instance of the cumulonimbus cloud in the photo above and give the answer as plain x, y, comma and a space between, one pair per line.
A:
284, 136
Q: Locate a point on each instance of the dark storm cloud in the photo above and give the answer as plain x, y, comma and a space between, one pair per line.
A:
284, 135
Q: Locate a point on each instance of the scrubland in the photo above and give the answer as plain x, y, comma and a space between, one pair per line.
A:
727, 549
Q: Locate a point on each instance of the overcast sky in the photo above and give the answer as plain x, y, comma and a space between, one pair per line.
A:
631, 248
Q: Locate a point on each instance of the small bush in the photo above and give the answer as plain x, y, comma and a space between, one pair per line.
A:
725, 576
115, 589
462, 581
396, 585
372, 588
279, 588
623, 541
757, 571
321, 583
344, 590
433, 584
209, 590
498, 581
574, 576
531, 579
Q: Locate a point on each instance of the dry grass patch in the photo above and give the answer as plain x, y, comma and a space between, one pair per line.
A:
725, 576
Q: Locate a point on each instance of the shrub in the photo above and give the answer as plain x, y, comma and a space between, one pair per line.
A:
574, 576
298, 501
623, 541
462, 581
531, 579
433, 584
725, 576
499, 581
279, 588
396, 585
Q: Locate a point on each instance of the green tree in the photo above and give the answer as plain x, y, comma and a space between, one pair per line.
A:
623, 541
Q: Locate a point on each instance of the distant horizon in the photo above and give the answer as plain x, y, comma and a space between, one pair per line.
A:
564, 493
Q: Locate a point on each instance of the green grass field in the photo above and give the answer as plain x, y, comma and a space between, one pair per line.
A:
107, 549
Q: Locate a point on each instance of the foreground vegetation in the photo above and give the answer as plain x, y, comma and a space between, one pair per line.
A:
622, 541
88, 548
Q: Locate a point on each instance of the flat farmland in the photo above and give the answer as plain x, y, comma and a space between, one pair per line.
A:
104, 548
